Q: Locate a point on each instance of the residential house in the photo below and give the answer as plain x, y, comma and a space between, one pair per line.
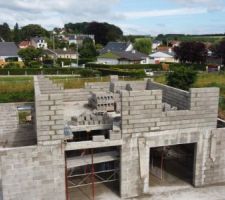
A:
61, 53
117, 47
8, 52
156, 44
79, 38
39, 43
124, 57
24, 44
163, 56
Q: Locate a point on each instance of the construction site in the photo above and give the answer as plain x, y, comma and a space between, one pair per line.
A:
110, 140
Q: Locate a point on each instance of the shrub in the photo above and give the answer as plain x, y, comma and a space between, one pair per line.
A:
119, 72
182, 78
12, 65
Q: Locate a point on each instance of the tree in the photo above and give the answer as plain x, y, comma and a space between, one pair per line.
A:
5, 32
103, 32
33, 30
191, 52
182, 78
88, 49
144, 45
16, 33
219, 50
30, 54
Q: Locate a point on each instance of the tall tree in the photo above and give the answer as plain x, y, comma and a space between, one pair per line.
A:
219, 50
5, 32
144, 45
191, 52
30, 54
16, 33
33, 30
103, 32
88, 49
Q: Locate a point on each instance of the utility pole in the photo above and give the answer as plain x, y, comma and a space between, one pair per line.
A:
53, 45
77, 55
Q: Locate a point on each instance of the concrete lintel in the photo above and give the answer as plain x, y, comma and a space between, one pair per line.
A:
91, 145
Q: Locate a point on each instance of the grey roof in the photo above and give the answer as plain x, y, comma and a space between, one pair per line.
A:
129, 55
59, 51
37, 39
115, 47
132, 55
8, 49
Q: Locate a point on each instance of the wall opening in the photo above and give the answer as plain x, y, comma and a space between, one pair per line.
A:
172, 166
93, 172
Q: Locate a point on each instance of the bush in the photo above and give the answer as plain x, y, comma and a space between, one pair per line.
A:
182, 78
12, 65
35, 64
119, 72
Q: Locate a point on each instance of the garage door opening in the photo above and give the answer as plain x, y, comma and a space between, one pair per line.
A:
172, 165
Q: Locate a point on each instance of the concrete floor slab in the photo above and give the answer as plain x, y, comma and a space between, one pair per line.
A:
104, 193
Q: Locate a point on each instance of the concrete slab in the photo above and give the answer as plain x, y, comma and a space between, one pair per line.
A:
87, 159
103, 193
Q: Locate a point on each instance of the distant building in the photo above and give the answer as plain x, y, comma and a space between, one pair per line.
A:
61, 53
8, 52
24, 44
156, 44
163, 56
125, 57
117, 47
39, 43
79, 39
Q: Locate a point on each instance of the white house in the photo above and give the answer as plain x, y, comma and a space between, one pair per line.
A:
39, 43
62, 53
155, 45
79, 38
160, 56
125, 57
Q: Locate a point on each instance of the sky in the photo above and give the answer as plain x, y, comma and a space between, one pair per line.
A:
145, 17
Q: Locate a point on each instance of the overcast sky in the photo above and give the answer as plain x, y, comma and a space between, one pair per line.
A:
132, 16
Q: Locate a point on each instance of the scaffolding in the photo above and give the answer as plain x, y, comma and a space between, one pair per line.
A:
82, 171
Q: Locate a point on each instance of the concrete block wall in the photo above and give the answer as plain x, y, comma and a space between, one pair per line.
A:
173, 96
141, 110
97, 85
13, 134
49, 111
33, 173
142, 117
214, 151
122, 85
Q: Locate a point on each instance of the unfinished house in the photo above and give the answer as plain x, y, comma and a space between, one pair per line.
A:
133, 138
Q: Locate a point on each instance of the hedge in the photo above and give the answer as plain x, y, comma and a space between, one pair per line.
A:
48, 71
119, 72
154, 67
197, 67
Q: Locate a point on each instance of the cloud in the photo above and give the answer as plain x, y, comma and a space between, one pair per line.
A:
163, 13
52, 13
211, 5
